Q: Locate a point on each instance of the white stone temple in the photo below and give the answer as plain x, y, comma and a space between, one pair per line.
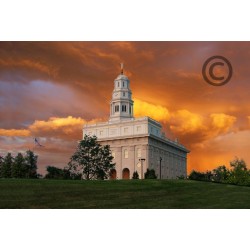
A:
137, 144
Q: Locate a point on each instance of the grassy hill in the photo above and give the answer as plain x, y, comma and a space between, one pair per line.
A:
17, 193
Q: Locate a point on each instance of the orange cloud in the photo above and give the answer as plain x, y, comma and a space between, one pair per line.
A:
55, 123
56, 127
186, 122
157, 112
14, 132
194, 128
67, 127
222, 122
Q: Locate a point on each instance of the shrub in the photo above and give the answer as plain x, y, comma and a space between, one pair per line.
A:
135, 175
150, 174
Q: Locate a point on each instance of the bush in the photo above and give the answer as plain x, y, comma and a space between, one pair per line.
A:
182, 177
135, 175
150, 174
200, 176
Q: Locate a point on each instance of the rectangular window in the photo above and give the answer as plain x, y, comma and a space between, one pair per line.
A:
101, 132
138, 128
125, 130
122, 84
138, 152
124, 108
126, 154
117, 108
123, 93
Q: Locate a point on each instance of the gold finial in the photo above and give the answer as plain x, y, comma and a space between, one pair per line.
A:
122, 68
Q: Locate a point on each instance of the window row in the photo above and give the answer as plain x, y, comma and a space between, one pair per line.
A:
124, 108
125, 152
124, 85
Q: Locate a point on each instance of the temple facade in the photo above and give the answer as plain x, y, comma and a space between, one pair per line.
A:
137, 144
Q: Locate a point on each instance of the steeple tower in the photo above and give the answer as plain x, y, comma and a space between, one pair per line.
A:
121, 105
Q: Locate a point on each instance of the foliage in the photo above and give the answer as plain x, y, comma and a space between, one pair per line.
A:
54, 173
1, 165
91, 159
135, 175
220, 174
61, 174
182, 177
200, 176
19, 166
6, 166
237, 175
150, 174
31, 164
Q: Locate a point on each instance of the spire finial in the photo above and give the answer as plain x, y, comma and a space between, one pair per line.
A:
122, 68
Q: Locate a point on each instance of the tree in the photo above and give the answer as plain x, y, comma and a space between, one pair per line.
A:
239, 174
54, 173
135, 175
6, 166
238, 164
220, 174
58, 173
1, 165
31, 164
91, 159
105, 165
19, 167
150, 174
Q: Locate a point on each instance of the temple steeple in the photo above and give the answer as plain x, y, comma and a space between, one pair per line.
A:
121, 105
121, 68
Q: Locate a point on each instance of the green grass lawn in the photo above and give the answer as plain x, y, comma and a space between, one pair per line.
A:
16, 193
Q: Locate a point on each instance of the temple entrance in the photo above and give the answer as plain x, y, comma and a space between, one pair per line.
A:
112, 175
125, 174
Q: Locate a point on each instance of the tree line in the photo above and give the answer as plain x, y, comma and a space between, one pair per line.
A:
237, 174
20, 166
93, 161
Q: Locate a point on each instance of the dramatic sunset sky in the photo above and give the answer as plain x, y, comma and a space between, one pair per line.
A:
49, 90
